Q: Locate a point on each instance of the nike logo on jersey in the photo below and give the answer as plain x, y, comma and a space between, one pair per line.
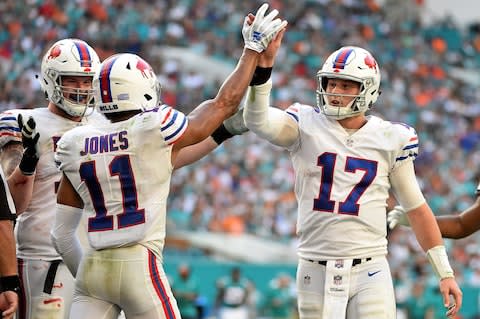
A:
372, 273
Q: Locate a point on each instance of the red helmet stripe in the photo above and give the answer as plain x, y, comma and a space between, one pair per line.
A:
85, 59
341, 58
105, 89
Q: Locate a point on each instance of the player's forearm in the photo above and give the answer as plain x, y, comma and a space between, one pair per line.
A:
64, 236
8, 260
234, 87
21, 188
193, 153
425, 227
456, 227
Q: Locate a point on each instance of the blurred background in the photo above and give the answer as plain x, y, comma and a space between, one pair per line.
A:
232, 215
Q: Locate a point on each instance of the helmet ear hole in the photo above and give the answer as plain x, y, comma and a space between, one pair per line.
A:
148, 97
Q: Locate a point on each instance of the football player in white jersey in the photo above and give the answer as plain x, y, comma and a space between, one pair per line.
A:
11, 195
118, 175
345, 163
67, 71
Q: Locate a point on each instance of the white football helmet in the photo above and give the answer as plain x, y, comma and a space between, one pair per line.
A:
355, 64
69, 57
125, 82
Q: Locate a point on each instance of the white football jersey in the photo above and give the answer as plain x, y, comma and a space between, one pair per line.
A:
342, 183
33, 226
122, 172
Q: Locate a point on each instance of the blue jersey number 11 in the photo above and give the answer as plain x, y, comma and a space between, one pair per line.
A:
131, 215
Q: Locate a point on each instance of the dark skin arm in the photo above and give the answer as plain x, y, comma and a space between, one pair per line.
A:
206, 117
195, 152
462, 225
67, 195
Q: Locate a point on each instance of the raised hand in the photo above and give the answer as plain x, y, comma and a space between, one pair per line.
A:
397, 216
259, 33
29, 140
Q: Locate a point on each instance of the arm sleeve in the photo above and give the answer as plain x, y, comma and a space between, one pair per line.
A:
64, 236
405, 186
269, 123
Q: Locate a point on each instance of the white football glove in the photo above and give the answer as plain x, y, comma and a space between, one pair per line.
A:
235, 124
258, 35
397, 216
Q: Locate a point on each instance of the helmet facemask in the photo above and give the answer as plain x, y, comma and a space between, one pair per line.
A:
73, 100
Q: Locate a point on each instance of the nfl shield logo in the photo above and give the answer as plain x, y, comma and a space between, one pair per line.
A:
337, 279
306, 280
339, 263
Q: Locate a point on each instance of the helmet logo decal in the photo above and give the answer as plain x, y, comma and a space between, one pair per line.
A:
143, 67
54, 52
341, 59
370, 62
85, 59
104, 79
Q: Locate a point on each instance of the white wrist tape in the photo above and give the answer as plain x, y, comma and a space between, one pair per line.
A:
439, 260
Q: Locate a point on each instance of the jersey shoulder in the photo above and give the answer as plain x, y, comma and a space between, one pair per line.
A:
403, 132
171, 122
401, 135
299, 110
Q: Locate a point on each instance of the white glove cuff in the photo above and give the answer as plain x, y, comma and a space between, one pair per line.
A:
439, 260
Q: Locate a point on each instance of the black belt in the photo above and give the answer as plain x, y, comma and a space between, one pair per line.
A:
356, 261
50, 279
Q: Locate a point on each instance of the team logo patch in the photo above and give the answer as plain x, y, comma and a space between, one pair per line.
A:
54, 52
339, 263
337, 280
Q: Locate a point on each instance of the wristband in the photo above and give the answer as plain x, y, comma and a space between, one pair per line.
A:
261, 75
10, 283
221, 134
439, 260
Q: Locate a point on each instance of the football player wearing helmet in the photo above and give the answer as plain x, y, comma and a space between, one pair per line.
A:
67, 70
345, 163
118, 176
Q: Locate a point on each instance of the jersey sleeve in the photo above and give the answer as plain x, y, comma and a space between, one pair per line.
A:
9, 130
408, 144
173, 124
63, 151
294, 110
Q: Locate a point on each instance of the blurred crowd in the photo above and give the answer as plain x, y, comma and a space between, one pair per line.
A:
429, 80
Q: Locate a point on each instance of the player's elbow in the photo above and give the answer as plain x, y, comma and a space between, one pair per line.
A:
229, 103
